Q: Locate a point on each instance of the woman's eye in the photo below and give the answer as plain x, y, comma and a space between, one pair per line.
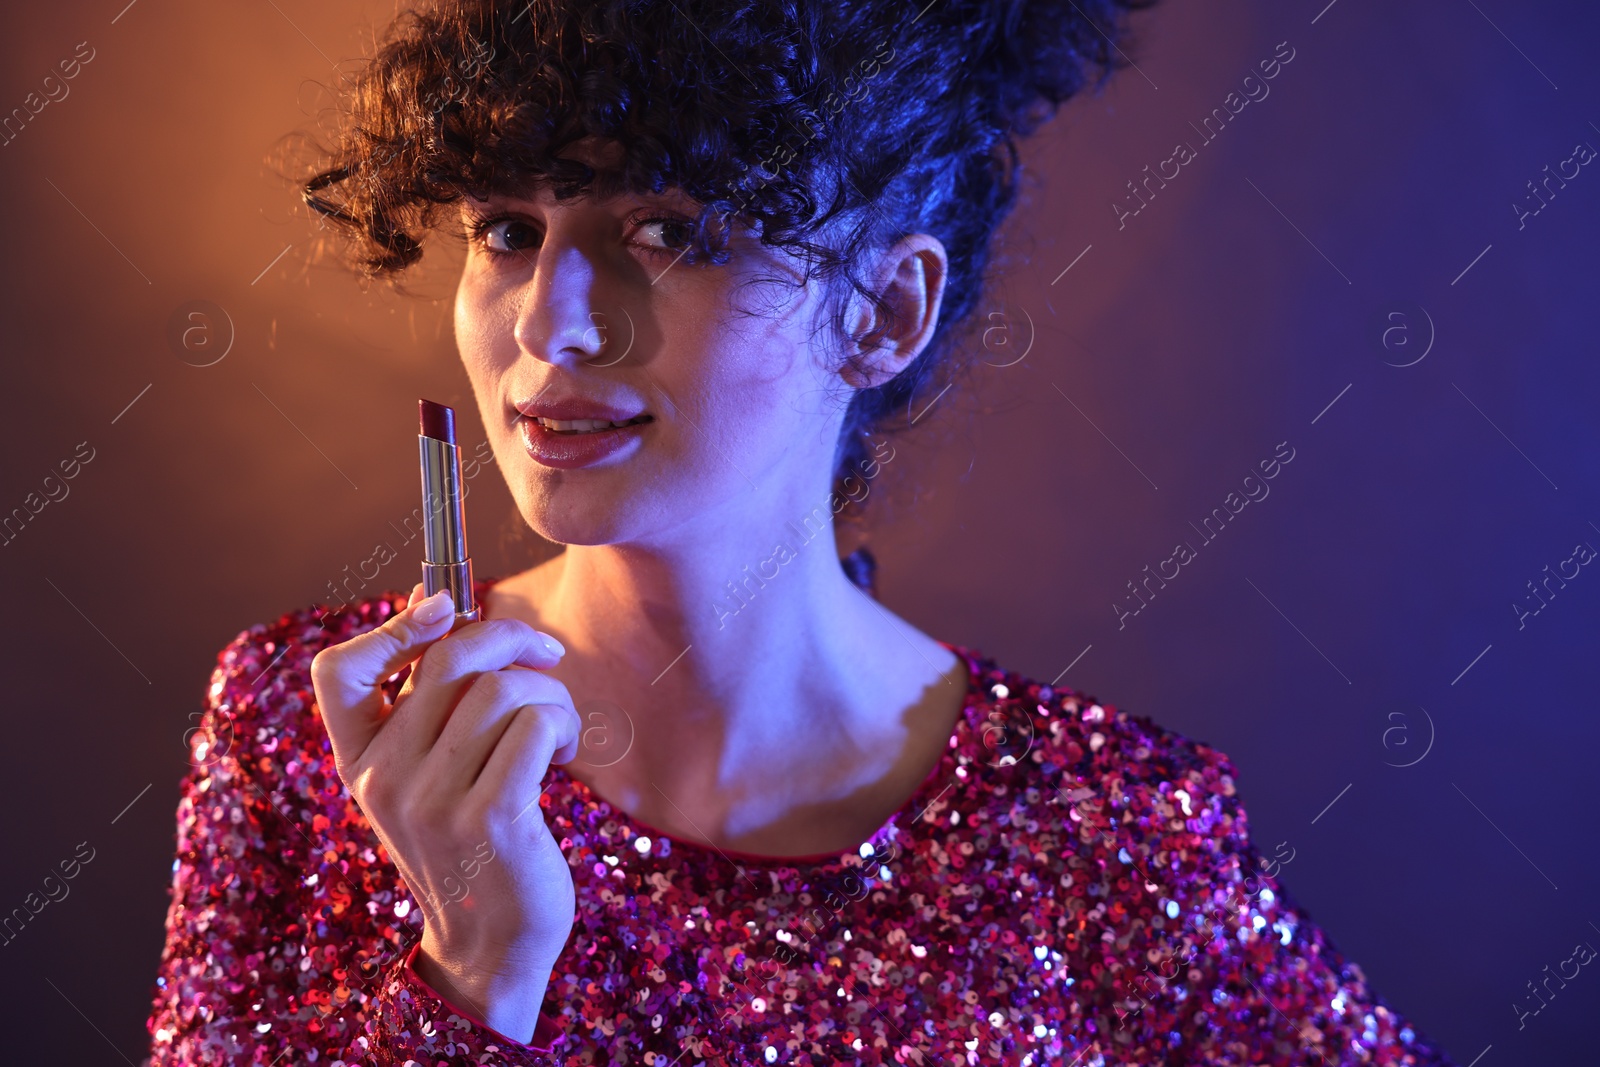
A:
673, 235
504, 237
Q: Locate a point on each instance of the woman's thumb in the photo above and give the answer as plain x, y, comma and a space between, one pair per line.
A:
348, 677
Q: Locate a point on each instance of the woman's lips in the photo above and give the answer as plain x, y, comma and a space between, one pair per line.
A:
577, 449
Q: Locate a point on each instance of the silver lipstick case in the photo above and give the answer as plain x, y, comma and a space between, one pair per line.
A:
445, 563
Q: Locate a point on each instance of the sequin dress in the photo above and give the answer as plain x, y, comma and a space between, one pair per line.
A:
1070, 885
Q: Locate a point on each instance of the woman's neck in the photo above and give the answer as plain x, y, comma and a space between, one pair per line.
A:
767, 701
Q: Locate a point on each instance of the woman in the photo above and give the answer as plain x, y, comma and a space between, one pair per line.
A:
712, 250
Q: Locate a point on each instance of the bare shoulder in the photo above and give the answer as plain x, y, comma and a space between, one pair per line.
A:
904, 652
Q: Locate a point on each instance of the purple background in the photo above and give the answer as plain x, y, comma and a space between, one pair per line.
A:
1314, 640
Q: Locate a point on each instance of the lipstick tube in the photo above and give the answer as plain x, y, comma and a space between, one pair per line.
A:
445, 563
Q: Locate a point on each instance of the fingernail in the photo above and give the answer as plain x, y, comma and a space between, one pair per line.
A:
431, 609
552, 644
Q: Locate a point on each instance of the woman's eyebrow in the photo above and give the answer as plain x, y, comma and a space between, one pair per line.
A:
620, 204
499, 196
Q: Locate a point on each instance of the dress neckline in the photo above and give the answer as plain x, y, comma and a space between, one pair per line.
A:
901, 819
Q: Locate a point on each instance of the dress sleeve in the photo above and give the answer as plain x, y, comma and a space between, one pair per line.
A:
270, 954
1227, 968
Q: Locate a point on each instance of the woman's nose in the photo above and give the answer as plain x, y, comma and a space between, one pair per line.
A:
557, 321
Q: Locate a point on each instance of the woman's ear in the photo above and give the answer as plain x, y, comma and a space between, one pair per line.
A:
910, 277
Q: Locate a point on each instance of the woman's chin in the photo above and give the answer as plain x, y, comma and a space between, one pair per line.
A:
584, 526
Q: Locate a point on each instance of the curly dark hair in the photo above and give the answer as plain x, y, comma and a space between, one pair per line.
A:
832, 127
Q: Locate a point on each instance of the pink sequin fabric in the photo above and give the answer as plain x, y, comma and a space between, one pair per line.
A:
1071, 885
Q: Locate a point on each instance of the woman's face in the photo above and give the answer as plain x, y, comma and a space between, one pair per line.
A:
586, 303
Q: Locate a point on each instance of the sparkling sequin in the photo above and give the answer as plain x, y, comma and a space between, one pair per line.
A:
1078, 888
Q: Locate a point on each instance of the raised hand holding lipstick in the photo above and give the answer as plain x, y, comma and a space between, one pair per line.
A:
452, 770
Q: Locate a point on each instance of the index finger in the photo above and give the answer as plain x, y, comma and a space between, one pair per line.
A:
348, 677
477, 647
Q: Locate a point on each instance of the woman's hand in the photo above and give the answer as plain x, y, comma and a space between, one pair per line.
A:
450, 776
